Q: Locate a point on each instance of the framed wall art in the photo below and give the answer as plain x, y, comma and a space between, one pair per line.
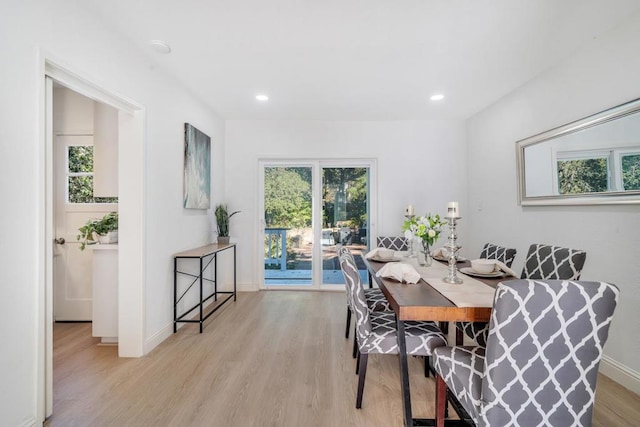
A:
197, 169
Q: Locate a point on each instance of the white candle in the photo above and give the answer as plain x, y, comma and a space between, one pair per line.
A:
410, 210
453, 211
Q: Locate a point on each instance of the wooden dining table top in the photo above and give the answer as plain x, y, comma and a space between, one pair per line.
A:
421, 301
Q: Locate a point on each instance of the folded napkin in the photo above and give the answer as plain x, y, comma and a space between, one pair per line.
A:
440, 253
399, 271
373, 253
501, 266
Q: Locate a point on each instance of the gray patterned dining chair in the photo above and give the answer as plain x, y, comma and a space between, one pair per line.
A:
543, 262
396, 243
540, 365
376, 301
478, 330
499, 253
376, 331
553, 262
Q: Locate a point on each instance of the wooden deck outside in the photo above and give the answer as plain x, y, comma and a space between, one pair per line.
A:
299, 272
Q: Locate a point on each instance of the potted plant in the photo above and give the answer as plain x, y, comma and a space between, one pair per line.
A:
106, 230
222, 222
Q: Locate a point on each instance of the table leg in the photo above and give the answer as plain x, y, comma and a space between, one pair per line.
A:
215, 277
175, 294
404, 374
201, 295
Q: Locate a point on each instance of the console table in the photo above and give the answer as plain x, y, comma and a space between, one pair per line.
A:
207, 255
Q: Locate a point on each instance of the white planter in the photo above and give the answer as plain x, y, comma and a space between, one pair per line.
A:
109, 238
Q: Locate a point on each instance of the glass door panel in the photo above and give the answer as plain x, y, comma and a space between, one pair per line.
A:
288, 232
345, 219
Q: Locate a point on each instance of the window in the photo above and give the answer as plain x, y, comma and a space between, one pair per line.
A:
587, 171
583, 176
630, 166
80, 176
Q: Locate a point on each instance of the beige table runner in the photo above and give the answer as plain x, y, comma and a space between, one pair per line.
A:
470, 293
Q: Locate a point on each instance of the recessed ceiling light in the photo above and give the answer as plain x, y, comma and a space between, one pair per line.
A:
262, 98
437, 97
159, 46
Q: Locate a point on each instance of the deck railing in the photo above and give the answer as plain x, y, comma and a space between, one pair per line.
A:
275, 241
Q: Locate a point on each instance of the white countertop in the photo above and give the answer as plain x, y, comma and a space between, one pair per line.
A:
104, 247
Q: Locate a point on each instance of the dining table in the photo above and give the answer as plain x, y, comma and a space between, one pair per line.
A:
431, 299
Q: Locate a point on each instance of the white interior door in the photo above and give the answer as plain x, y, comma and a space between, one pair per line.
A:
72, 268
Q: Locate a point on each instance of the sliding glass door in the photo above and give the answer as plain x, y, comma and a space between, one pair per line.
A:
311, 208
345, 215
288, 229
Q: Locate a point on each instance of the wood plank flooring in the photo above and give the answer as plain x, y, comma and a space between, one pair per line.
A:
272, 358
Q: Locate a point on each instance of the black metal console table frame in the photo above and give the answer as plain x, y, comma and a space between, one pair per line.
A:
202, 253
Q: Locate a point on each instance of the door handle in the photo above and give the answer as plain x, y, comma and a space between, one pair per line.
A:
59, 240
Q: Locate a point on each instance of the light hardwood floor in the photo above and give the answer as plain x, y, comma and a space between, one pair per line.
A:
275, 358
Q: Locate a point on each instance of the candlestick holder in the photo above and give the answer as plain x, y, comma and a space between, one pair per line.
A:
411, 252
453, 248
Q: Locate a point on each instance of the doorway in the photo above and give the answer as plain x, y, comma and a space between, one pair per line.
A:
84, 143
131, 210
311, 208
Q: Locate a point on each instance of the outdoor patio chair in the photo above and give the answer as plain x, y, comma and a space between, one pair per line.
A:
540, 364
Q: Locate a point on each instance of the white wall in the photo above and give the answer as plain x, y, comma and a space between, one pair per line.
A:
602, 75
75, 38
419, 163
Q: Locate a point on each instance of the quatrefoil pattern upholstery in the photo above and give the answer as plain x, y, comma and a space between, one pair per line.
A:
376, 301
553, 263
505, 255
395, 243
376, 332
421, 337
478, 330
541, 360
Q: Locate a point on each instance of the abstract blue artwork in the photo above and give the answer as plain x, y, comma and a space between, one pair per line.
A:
197, 169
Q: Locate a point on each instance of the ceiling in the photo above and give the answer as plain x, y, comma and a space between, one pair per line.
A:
359, 59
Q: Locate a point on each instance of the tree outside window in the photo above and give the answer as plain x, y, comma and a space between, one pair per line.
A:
80, 176
583, 176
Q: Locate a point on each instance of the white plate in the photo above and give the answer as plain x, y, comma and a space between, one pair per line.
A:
376, 259
471, 272
440, 258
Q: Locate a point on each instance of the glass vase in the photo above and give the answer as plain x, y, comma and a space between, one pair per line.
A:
425, 256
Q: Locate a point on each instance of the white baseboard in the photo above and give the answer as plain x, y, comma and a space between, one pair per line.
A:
621, 374
154, 340
30, 422
165, 332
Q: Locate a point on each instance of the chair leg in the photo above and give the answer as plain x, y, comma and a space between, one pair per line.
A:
459, 336
444, 327
346, 332
355, 344
426, 367
441, 400
362, 375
